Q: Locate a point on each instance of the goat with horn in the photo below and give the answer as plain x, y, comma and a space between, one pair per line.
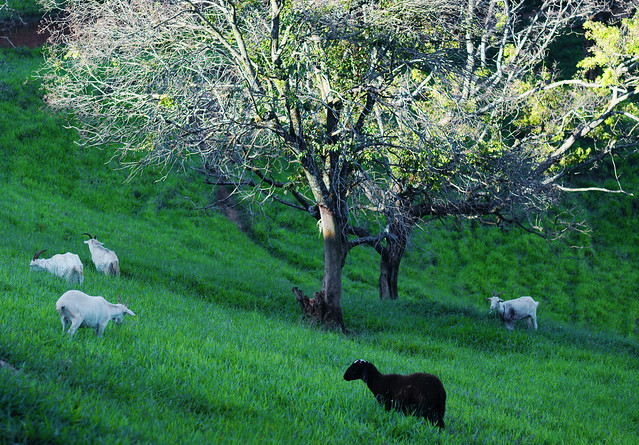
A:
105, 260
66, 266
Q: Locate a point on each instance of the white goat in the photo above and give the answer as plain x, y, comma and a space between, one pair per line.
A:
517, 309
67, 266
84, 311
105, 260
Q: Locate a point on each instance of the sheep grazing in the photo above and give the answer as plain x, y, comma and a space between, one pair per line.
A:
67, 266
420, 394
84, 311
513, 310
105, 260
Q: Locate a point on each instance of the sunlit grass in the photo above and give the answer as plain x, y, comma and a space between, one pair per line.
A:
217, 352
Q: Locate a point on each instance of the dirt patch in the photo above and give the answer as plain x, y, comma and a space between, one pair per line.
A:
228, 206
24, 35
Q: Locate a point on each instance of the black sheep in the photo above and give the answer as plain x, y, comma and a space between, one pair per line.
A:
420, 394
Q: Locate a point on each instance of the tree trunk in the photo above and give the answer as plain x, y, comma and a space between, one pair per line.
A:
390, 258
326, 306
388, 274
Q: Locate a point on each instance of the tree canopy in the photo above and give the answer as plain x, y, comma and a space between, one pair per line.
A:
358, 111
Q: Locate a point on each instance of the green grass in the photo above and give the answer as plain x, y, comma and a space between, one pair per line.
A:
217, 352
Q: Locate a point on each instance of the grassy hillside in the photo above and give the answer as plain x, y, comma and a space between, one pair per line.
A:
217, 352
588, 281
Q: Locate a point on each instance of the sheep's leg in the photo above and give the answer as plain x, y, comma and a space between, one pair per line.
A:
65, 322
386, 401
510, 326
437, 421
75, 324
534, 322
530, 323
99, 329
434, 418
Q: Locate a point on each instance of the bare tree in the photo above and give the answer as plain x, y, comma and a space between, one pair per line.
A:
359, 112
266, 95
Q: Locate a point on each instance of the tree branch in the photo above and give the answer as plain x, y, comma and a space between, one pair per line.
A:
591, 189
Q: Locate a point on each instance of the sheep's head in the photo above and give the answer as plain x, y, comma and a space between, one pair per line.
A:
495, 300
92, 241
357, 370
118, 318
35, 261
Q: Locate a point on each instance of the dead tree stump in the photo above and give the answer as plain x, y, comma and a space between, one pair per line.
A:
316, 310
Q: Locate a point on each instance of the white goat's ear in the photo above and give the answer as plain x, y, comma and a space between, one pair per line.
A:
130, 312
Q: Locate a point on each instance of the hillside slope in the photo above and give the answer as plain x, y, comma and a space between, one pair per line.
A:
217, 352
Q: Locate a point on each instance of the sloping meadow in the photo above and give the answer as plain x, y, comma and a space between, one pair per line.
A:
217, 352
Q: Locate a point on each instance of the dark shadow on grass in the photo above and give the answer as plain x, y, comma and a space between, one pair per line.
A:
471, 328
451, 323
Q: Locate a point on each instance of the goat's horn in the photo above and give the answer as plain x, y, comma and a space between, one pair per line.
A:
37, 254
89, 235
119, 298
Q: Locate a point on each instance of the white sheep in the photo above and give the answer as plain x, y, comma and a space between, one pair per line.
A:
105, 260
517, 309
67, 266
84, 311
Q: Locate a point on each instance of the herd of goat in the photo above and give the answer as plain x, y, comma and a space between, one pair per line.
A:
77, 309
420, 394
69, 267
